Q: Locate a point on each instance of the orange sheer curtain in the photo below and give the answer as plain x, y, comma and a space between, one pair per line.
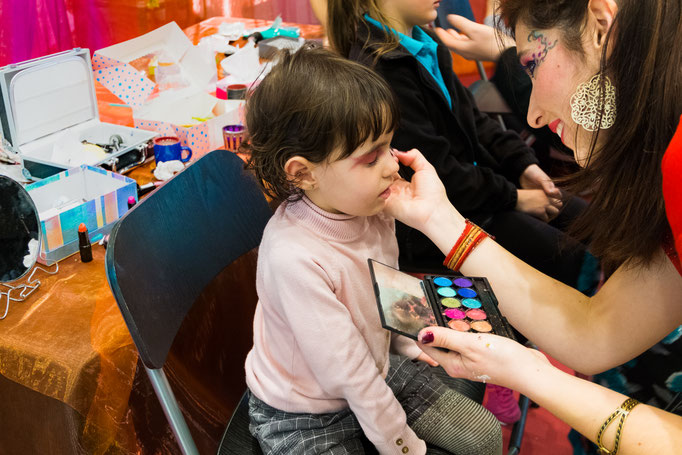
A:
34, 28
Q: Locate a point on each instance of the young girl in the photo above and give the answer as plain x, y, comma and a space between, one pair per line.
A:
320, 373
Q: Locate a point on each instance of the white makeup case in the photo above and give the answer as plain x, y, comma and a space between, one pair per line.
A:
49, 113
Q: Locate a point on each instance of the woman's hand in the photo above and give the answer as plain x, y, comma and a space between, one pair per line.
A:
415, 202
481, 357
474, 41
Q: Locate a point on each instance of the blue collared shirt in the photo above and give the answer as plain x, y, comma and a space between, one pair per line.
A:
423, 47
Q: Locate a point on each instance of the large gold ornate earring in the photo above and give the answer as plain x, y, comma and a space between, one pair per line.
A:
586, 104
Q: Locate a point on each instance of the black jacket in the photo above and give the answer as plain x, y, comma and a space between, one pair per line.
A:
451, 139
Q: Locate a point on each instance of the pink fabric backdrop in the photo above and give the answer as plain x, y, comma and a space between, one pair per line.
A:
33, 28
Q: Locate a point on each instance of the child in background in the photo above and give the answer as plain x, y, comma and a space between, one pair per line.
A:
320, 374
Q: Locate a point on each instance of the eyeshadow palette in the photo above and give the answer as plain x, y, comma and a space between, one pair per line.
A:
408, 304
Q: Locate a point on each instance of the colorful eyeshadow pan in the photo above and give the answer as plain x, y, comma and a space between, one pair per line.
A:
442, 281
454, 313
482, 326
462, 283
476, 314
449, 302
467, 293
460, 326
446, 292
471, 303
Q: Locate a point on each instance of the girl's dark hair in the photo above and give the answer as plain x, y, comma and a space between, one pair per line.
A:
343, 19
313, 104
625, 221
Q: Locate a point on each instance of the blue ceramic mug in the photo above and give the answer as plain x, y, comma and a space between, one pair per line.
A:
169, 148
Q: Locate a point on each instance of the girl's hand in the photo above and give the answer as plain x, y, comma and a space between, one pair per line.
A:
414, 202
482, 357
537, 204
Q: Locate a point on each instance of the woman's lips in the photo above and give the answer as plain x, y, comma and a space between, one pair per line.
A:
557, 127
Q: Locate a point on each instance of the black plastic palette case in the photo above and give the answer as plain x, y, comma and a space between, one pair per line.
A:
408, 304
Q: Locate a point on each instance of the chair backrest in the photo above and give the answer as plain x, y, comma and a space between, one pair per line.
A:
165, 250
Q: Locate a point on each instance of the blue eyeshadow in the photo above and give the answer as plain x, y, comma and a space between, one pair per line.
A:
471, 303
442, 281
446, 292
467, 293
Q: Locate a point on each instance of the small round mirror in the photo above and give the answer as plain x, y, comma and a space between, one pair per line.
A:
19, 231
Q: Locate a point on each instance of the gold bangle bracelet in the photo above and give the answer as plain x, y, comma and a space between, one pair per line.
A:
623, 411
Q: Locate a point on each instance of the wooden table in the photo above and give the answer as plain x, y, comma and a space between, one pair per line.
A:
70, 379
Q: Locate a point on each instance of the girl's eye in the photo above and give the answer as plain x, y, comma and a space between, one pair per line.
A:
375, 160
529, 67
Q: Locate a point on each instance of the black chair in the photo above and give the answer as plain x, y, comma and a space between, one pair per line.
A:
166, 250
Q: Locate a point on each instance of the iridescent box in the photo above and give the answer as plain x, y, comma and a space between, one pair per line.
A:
85, 194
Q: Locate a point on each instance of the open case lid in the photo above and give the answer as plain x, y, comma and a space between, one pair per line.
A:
46, 95
121, 63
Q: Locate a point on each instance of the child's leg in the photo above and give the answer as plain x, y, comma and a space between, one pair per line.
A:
440, 415
286, 433
470, 389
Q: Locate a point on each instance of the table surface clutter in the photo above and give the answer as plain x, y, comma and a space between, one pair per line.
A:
70, 380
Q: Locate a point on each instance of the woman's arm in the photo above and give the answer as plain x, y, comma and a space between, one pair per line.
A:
581, 404
637, 307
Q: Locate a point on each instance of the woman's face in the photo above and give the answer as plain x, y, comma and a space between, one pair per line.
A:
556, 72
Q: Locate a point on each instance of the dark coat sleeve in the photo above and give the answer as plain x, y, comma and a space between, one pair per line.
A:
471, 188
512, 154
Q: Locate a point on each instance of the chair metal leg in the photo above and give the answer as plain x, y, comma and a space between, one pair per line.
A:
484, 77
172, 411
517, 430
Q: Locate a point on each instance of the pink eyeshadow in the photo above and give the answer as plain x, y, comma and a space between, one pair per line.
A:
454, 313
476, 314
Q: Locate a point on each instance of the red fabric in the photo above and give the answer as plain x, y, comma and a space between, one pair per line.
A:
672, 193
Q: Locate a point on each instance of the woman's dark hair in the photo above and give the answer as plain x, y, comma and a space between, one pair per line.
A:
625, 221
312, 104
343, 19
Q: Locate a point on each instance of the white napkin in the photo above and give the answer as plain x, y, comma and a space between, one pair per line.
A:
166, 169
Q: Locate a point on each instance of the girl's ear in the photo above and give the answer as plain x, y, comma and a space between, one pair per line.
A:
300, 172
603, 13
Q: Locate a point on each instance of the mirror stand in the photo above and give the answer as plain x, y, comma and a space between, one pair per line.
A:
21, 292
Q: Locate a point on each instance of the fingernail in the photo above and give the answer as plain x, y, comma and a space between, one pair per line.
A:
427, 337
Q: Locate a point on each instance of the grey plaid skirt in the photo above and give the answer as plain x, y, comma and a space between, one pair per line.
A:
434, 411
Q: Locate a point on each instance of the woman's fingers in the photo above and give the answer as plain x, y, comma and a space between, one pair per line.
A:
458, 347
461, 23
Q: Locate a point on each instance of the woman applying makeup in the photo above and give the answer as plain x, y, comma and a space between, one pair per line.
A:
606, 77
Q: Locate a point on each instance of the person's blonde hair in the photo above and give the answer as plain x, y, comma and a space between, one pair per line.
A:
343, 19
